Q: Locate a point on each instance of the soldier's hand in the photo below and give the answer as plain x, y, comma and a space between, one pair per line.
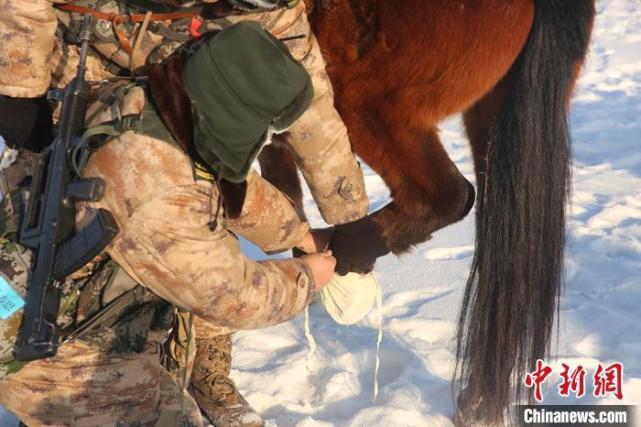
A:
322, 266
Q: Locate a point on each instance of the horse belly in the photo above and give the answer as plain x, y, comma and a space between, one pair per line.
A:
434, 57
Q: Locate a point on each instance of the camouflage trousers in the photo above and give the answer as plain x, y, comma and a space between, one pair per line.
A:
85, 386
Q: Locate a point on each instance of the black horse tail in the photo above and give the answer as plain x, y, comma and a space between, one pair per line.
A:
512, 293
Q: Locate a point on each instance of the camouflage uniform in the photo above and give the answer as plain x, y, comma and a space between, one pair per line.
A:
84, 385
182, 261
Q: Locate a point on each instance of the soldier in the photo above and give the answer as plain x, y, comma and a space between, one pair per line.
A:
318, 139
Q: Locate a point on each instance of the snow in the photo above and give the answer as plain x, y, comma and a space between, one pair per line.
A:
422, 290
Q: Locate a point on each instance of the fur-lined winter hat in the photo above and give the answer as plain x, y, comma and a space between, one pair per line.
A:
243, 85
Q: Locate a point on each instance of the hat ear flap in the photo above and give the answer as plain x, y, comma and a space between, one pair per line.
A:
171, 101
233, 197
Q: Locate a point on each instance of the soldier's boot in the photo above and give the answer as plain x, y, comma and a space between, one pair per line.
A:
214, 391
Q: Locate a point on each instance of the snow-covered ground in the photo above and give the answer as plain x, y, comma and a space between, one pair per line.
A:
599, 320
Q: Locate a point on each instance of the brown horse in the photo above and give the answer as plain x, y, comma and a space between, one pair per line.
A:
400, 67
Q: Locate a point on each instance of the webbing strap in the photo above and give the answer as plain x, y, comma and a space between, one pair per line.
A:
207, 11
137, 17
111, 98
112, 129
168, 33
107, 131
219, 9
136, 59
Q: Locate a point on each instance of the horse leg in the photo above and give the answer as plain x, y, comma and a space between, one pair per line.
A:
394, 82
427, 189
479, 120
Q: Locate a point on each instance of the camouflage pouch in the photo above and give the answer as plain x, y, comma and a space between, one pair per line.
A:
14, 173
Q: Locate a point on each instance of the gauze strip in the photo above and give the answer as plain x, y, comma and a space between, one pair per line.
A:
310, 339
379, 338
348, 299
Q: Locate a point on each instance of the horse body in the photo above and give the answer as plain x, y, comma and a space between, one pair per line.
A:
400, 67
409, 65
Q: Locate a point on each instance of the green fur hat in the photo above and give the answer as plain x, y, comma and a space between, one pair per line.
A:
244, 85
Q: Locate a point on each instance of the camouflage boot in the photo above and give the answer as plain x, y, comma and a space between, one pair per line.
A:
214, 391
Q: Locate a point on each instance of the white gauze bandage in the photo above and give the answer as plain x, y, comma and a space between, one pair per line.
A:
349, 298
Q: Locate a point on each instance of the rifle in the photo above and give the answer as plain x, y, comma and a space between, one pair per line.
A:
48, 227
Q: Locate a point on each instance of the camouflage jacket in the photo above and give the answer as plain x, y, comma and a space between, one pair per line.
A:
167, 244
32, 57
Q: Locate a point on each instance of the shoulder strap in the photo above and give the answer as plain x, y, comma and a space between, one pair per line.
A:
147, 122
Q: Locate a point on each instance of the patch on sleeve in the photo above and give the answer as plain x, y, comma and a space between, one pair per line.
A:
10, 301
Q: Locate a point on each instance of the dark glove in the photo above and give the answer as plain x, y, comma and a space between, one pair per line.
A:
357, 245
26, 122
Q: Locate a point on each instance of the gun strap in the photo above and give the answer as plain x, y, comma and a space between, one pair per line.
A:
115, 128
